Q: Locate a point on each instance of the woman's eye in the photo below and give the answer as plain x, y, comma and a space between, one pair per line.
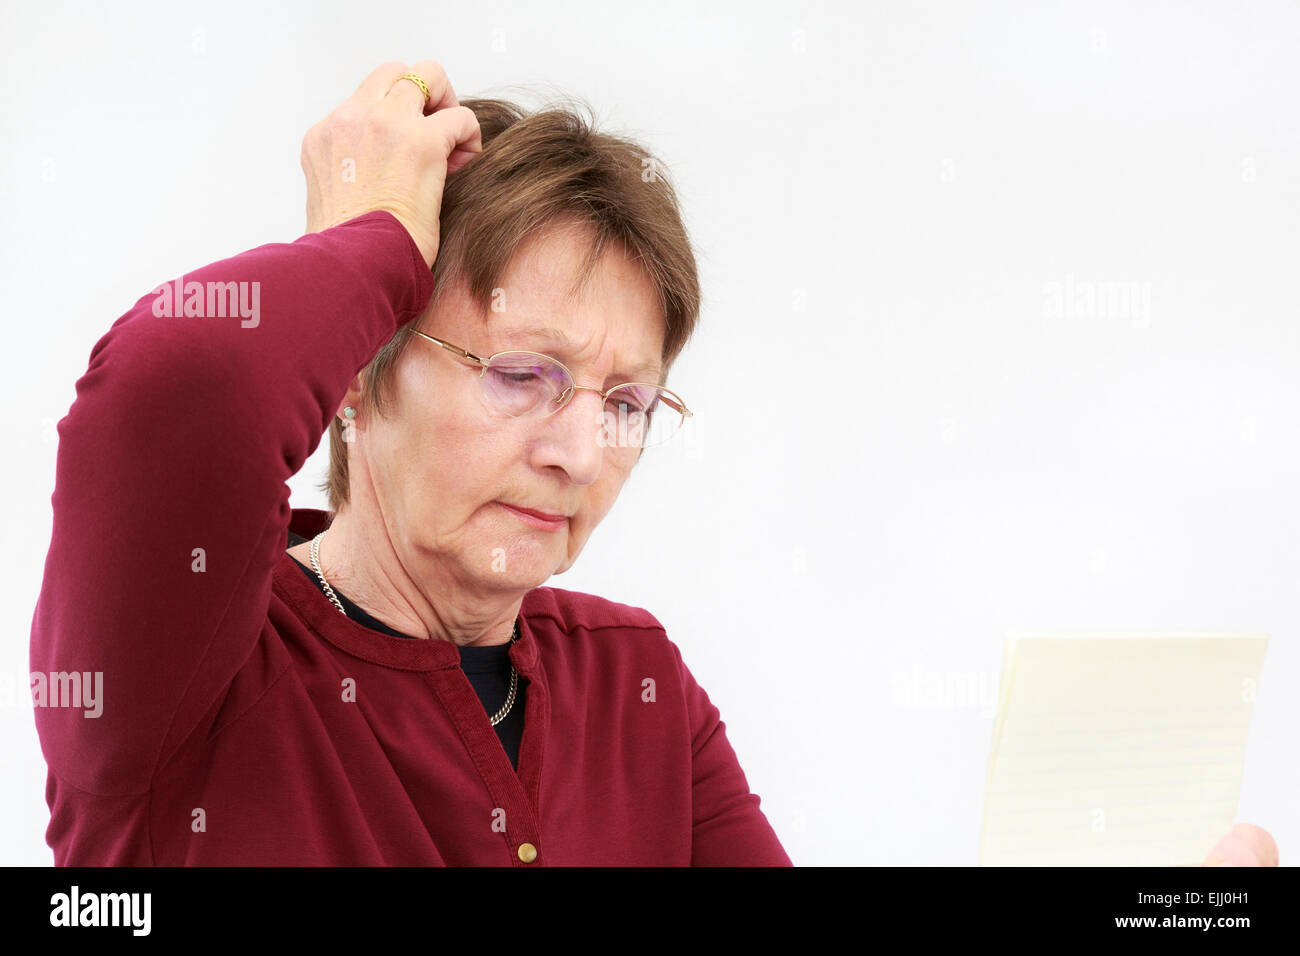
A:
518, 378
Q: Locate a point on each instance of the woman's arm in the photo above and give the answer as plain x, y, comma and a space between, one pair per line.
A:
170, 503
727, 826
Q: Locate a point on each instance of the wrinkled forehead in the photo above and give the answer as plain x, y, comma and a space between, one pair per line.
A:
555, 299
555, 341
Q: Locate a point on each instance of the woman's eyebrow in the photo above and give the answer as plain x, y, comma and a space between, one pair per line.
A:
541, 332
562, 344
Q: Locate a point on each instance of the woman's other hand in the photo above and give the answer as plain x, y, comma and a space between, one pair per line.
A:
382, 148
1246, 845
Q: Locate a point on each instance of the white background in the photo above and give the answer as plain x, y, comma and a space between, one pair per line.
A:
903, 450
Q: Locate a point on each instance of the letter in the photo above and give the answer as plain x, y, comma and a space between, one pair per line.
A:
605, 437
222, 296
902, 691
39, 695
1084, 303
162, 305
932, 695
194, 300
349, 690
988, 696
648, 690
68, 686
1053, 301
1142, 307
142, 909
59, 914
968, 684
117, 908
90, 910
92, 698
1112, 300
255, 312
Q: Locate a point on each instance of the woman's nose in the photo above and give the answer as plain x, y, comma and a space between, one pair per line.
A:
575, 439
567, 398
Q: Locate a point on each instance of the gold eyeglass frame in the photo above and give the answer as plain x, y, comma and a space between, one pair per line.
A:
671, 396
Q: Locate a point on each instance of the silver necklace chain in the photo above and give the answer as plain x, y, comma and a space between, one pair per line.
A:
500, 715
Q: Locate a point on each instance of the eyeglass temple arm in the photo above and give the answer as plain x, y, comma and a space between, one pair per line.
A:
451, 348
675, 403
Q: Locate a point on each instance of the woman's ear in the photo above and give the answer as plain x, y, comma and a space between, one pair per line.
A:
351, 400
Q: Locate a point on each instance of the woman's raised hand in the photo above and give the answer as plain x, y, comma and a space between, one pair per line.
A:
382, 148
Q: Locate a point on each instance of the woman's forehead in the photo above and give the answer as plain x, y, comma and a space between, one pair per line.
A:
540, 305
640, 365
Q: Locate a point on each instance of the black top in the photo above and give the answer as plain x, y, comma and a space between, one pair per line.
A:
488, 668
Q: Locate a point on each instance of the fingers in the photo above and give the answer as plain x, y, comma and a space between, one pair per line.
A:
1260, 841
408, 96
375, 86
1246, 845
460, 135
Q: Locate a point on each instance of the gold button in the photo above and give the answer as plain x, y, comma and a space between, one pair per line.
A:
527, 852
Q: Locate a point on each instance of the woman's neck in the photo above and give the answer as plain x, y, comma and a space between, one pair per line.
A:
359, 559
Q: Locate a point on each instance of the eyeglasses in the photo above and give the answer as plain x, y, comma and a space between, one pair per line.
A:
519, 384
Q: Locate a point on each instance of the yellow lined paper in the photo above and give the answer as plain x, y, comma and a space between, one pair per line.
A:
1117, 749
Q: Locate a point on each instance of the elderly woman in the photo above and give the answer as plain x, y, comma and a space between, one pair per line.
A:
483, 314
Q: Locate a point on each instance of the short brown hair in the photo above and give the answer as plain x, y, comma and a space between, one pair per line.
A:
537, 169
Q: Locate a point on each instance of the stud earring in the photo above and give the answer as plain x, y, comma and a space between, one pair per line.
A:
349, 412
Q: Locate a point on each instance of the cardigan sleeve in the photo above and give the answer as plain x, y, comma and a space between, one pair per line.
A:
170, 505
727, 826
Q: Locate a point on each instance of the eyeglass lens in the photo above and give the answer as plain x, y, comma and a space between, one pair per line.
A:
635, 416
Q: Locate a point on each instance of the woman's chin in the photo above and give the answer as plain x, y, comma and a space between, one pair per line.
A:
525, 565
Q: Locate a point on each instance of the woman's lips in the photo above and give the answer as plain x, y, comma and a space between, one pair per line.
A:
538, 519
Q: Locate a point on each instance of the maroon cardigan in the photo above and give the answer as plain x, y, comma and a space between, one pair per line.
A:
240, 718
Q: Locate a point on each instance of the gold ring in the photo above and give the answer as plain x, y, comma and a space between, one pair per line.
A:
418, 80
